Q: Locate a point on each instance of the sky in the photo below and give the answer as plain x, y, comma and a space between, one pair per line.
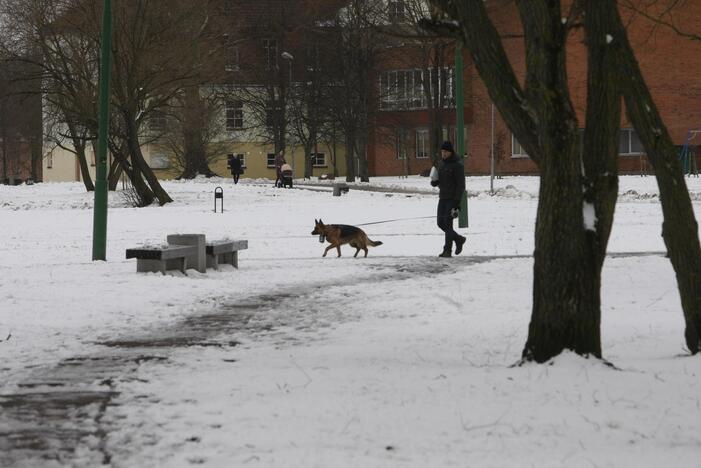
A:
398, 359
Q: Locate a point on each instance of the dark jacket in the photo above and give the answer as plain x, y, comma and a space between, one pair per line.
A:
451, 179
235, 166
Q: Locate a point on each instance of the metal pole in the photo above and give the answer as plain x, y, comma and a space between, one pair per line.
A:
460, 127
491, 154
99, 246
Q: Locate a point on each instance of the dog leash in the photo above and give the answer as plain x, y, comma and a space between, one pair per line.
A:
400, 219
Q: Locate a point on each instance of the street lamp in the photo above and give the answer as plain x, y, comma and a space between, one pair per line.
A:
100, 207
289, 57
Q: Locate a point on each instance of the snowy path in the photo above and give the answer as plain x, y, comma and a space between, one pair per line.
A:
400, 359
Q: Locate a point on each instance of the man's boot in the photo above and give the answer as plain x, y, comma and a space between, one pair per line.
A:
445, 254
458, 245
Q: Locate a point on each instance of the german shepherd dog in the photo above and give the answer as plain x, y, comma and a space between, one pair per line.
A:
339, 234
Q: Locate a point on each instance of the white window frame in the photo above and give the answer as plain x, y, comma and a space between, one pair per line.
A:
423, 138
400, 144
517, 151
315, 159
234, 116
630, 132
397, 11
232, 57
270, 52
157, 122
404, 89
270, 161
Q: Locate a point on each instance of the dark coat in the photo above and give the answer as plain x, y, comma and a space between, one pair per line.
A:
451, 179
235, 166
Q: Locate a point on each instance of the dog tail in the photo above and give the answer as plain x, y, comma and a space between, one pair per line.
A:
372, 243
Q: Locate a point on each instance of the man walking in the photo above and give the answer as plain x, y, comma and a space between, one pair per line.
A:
450, 179
236, 168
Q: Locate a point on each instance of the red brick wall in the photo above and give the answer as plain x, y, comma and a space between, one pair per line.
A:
671, 66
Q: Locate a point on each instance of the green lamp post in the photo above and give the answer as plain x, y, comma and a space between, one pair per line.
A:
460, 127
99, 246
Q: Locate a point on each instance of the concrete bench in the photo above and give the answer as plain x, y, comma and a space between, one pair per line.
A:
224, 252
170, 257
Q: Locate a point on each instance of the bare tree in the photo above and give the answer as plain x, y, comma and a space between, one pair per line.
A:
357, 47
192, 131
680, 229
578, 188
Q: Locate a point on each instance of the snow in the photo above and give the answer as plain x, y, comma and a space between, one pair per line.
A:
398, 359
589, 214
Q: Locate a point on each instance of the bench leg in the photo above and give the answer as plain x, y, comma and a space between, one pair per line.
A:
183, 265
150, 266
235, 258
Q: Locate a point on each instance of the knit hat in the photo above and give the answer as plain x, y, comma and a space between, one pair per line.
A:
447, 146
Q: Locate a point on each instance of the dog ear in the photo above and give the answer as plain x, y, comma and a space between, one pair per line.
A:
321, 222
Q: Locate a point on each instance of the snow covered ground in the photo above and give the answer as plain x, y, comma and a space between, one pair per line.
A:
400, 359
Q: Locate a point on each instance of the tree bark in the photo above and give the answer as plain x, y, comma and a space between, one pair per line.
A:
566, 285
350, 158
679, 229
139, 163
114, 174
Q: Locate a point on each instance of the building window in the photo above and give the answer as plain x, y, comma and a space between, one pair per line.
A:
271, 160
400, 143
157, 122
318, 159
231, 54
159, 161
270, 51
234, 115
517, 150
404, 89
629, 142
422, 144
50, 160
396, 11
228, 7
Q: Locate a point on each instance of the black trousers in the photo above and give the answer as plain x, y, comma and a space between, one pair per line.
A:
445, 221
236, 177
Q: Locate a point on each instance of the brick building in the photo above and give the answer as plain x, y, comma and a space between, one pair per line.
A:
670, 63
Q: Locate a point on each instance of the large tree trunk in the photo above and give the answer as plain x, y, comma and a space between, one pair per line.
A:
142, 189
350, 158
140, 168
195, 153
79, 147
84, 169
363, 159
679, 229
114, 174
566, 284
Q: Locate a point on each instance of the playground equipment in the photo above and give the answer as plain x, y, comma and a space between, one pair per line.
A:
687, 158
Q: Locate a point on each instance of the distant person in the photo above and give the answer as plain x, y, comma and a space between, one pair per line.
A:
279, 161
450, 179
236, 167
